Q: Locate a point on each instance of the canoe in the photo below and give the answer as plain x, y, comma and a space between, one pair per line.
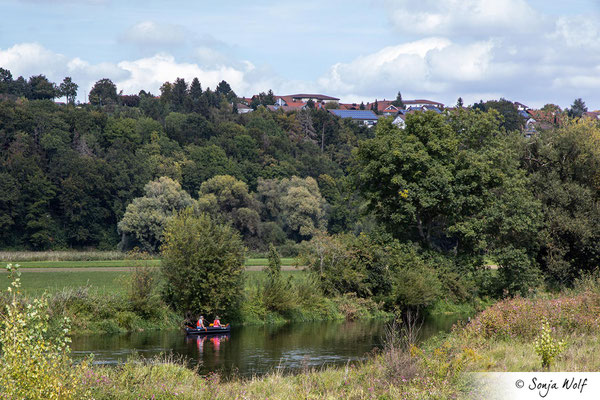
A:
210, 330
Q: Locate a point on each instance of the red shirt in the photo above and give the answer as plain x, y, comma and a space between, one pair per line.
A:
217, 323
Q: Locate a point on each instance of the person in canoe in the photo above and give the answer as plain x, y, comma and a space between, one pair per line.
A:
200, 323
217, 322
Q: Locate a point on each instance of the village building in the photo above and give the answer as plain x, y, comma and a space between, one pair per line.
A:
243, 108
364, 117
316, 98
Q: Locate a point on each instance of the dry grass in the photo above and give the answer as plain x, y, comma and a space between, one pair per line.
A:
580, 355
14, 256
171, 380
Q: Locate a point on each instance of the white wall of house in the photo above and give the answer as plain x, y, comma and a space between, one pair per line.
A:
399, 122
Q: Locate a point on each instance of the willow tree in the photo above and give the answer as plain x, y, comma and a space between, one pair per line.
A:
146, 217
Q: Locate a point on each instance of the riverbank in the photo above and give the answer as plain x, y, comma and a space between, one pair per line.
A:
501, 338
389, 375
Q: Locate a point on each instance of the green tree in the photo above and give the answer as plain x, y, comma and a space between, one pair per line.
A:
195, 96
146, 217
203, 265
513, 121
398, 102
203, 163
295, 203
104, 92
166, 92
179, 95
564, 168
577, 109
21, 88
42, 88
228, 199
68, 88
435, 183
224, 89
6, 81
551, 108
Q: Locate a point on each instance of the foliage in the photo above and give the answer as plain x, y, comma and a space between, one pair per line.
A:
146, 217
398, 102
34, 364
277, 294
41, 88
434, 183
229, 199
68, 88
104, 92
143, 282
564, 166
577, 109
203, 263
511, 119
296, 202
547, 347
520, 317
392, 273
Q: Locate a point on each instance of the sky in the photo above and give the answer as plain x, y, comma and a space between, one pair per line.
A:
531, 51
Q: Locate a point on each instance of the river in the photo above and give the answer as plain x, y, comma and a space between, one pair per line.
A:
253, 350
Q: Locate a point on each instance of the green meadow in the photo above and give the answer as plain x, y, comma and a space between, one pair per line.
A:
250, 262
34, 283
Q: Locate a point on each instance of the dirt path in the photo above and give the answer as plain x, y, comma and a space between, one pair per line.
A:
126, 269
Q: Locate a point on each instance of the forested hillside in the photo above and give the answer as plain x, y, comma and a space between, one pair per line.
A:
68, 172
449, 192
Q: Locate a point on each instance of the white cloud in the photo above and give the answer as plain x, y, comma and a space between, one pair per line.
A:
463, 17
431, 65
31, 59
154, 71
389, 65
150, 33
477, 49
131, 76
578, 31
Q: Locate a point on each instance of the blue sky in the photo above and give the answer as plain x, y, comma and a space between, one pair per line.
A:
531, 51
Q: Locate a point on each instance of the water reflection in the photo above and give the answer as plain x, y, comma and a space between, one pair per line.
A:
251, 350
200, 340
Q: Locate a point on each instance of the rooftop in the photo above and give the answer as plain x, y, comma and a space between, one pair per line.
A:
312, 96
355, 114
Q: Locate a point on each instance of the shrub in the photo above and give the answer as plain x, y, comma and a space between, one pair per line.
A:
203, 264
278, 294
546, 347
34, 364
142, 284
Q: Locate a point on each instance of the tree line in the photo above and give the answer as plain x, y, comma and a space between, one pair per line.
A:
375, 212
69, 172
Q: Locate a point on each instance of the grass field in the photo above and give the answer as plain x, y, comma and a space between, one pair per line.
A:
125, 263
35, 283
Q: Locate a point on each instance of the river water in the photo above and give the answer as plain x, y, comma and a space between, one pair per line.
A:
253, 350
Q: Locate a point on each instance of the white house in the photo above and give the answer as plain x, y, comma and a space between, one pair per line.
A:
399, 121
